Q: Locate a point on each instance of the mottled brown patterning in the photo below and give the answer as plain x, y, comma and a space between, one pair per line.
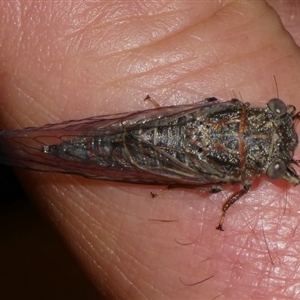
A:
202, 145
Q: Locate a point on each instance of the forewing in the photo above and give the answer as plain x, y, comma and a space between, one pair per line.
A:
27, 147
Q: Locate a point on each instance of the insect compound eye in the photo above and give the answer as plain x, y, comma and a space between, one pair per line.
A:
277, 106
276, 169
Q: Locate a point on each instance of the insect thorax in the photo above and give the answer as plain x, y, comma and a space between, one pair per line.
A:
236, 143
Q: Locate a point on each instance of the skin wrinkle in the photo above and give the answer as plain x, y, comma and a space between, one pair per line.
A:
208, 237
70, 212
129, 22
257, 50
80, 246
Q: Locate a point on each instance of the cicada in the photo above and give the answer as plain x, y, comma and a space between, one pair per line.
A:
203, 145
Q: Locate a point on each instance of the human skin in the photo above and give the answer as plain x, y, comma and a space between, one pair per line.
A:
74, 59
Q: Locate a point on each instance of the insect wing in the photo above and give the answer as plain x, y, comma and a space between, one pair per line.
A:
122, 147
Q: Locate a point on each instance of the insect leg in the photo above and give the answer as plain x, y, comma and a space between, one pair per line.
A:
231, 201
148, 98
216, 188
210, 99
154, 195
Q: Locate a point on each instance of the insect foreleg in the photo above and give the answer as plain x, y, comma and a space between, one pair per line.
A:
155, 104
229, 202
216, 188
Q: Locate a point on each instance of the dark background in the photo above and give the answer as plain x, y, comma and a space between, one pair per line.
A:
33, 264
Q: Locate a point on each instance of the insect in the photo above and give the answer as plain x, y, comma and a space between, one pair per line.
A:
203, 145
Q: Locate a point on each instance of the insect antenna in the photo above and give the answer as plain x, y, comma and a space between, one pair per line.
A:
276, 86
296, 162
